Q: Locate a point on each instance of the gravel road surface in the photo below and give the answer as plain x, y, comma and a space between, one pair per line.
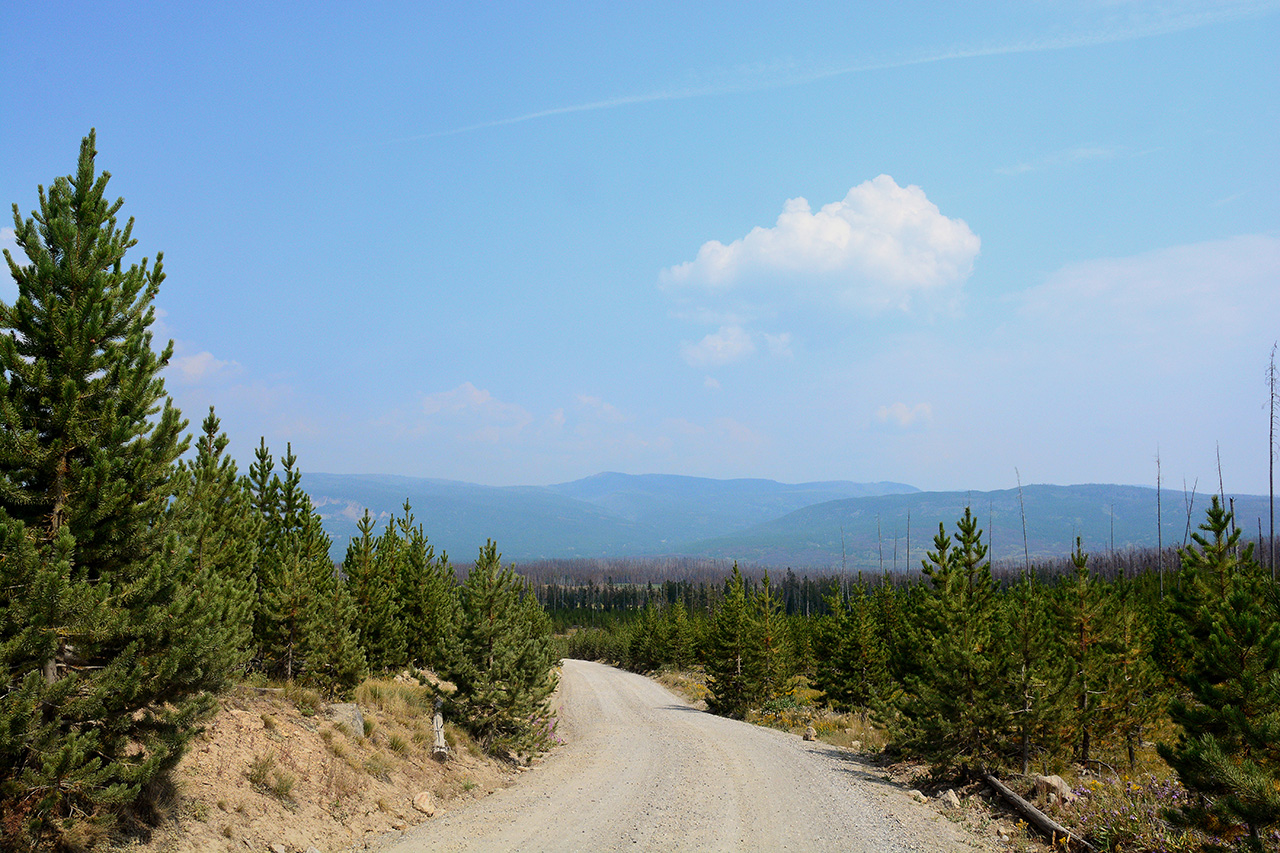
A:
642, 770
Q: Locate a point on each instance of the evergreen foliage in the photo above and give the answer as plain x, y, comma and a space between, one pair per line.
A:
648, 647
427, 598
220, 532
372, 572
502, 659
1082, 616
305, 622
852, 666
951, 712
1037, 675
1229, 699
681, 636
112, 634
1135, 693
732, 655
773, 666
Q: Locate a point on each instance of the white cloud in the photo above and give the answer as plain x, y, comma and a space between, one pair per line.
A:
779, 345
729, 344
476, 415
711, 383
1211, 293
201, 367
904, 415
880, 247
601, 410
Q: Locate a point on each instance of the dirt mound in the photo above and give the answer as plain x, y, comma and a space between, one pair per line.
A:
273, 771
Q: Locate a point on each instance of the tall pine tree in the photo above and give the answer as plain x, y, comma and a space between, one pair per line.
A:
427, 595
1225, 611
951, 712
372, 572
305, 620
501, 659
733, 652
109, 648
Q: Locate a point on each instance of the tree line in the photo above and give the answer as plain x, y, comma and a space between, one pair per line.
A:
970, 671
140, 576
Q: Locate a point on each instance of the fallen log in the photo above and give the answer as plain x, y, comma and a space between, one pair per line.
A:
1046, 825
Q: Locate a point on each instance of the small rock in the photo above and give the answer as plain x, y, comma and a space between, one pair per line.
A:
425, 803
399, 826
348, 713
313, 850
949, 799
1046, 785
810, 733
917, 796
856, 746
277, 847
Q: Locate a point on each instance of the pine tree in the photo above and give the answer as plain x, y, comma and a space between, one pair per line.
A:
647, 649
332, 659
501, 660
951, 713
109, 650
853, 668
427, 595
893, 608
1228, 755
732, 652
1038, 679
1086, 640
680, 635
372, 571
773, 666
220, 532
1135, 694
306, 618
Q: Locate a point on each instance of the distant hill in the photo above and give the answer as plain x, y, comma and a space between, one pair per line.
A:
761, 522
873, 528
607, 515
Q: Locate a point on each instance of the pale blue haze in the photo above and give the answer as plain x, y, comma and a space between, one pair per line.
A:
463, 241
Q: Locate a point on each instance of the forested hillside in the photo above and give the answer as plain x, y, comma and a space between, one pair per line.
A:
140, 576
806, 526
608, 515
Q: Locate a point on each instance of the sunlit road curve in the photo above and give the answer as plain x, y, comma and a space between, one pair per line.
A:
642, 770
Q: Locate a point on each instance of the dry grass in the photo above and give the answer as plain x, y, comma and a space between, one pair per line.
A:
689, 684
270, 768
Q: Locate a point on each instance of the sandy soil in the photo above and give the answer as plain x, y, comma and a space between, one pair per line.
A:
318, 783
643, 770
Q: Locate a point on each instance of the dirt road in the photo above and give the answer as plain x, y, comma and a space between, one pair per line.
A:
642, 770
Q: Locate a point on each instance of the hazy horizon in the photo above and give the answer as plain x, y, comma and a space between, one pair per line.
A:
940, 245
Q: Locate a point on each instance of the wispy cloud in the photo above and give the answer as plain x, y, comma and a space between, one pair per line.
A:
1078, 154
903, 415
729, 344
202, 367
1140, 23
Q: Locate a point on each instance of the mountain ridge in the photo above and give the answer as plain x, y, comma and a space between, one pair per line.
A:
819, 524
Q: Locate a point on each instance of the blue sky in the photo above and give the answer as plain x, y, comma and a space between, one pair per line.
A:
911, 242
